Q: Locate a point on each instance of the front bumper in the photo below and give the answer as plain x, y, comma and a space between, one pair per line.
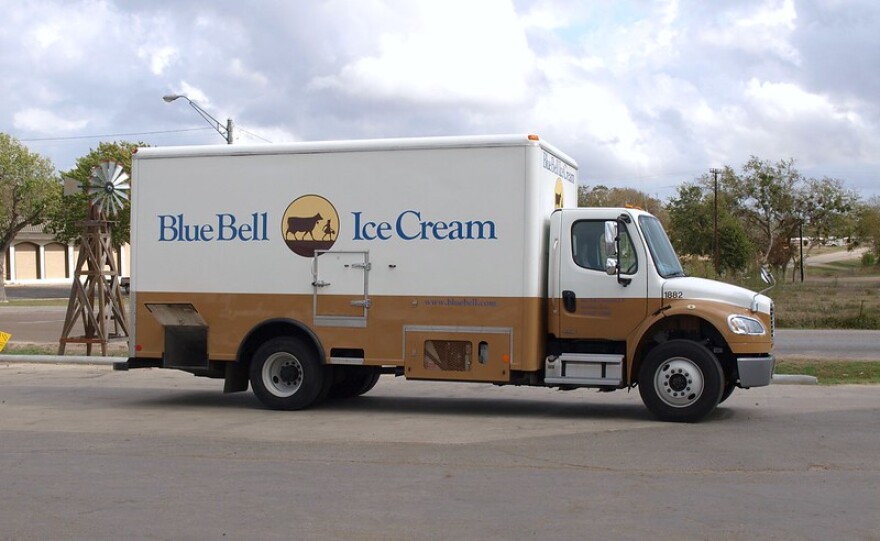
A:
755, 371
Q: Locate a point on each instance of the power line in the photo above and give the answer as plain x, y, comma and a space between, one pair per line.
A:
252, 134
73, 137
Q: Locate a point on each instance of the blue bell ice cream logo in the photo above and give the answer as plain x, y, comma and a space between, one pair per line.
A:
310, 223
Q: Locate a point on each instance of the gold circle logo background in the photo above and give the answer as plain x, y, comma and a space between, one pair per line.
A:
558, 201
310, 223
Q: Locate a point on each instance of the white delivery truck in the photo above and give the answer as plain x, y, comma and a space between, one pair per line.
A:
309, 269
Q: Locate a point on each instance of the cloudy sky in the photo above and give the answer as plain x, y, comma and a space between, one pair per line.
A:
644, 94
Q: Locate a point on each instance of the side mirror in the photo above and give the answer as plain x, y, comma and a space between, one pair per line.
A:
611, 266
766, 277
611, 248
611, 238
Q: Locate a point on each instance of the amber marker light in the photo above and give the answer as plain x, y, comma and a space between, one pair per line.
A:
533, 137
505, 358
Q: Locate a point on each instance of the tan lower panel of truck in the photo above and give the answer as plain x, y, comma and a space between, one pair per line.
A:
422, 333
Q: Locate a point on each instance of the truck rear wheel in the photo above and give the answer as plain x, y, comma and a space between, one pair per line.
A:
680, 381
356, 383
286, 375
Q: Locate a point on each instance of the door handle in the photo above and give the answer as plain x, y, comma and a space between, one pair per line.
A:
569, 300
320, 283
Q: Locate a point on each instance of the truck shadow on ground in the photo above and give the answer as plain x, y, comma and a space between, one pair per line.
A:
441, 406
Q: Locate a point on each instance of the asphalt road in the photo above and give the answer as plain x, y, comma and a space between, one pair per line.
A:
87, 453
828, 344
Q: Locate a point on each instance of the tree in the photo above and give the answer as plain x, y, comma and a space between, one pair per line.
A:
867, 225
603, 196
775, 201
28, 189
692, 227
65, 222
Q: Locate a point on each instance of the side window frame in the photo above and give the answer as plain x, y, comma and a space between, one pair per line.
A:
596, 242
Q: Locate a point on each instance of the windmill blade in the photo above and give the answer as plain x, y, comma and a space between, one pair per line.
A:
71, 186
97, 201
117, 202
116, 174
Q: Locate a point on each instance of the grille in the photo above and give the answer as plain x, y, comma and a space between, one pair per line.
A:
772, 323
449, 355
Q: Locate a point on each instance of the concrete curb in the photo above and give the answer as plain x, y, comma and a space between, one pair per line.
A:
794, 379
61, 359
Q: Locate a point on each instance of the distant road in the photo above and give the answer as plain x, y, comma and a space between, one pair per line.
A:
828, 344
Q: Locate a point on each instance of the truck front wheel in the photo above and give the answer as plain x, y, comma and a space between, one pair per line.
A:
286, 375
680, 381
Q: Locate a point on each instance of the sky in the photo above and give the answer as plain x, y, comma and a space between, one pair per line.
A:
643, 94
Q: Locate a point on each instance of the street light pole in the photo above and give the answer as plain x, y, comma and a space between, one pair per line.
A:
226, 132
715, 220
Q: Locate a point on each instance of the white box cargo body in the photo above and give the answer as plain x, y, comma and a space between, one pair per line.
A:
416, 239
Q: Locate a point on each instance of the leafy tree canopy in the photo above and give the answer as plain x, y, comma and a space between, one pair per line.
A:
28, 189
603, 196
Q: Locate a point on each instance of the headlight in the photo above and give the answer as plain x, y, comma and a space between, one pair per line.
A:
745, 325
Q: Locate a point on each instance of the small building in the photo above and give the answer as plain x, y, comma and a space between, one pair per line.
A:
35, 257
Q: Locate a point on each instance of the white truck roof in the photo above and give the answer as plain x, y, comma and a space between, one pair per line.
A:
355, 145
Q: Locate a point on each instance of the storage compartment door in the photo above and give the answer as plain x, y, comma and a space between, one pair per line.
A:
458, 353
340, 284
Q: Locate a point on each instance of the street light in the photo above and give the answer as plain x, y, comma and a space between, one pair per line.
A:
225, 132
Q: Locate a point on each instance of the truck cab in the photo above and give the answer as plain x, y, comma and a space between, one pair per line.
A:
623, 312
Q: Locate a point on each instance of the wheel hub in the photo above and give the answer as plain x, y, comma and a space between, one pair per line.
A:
288, 374
282, 374
679, 382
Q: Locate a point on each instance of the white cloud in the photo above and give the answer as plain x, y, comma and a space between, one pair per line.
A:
452, 52
766, 29
632, 89
159, 58
43, 121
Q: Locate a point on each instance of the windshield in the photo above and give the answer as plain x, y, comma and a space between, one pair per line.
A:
661, 249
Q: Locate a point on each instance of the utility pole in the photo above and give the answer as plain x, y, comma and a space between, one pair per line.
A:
715, 172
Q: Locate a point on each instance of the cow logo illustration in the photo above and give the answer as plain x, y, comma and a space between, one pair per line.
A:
558, 199
310, 223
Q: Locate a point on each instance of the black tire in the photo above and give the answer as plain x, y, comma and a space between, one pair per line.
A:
680, 381
286, 375
728, 390
355, 382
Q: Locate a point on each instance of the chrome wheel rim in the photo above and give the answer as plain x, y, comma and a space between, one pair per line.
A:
679, 382
282, 374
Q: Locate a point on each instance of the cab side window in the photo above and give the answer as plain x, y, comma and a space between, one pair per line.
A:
588, 247
588, 244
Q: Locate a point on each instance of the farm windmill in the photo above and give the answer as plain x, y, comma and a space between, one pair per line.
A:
96, 296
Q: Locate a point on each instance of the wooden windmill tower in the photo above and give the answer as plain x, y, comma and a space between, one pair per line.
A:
96, 296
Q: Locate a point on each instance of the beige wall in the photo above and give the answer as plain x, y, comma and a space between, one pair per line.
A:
56, 264
56, 260
27, 261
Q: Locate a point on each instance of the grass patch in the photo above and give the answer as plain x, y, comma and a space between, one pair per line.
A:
833, 372
33, 302
29, 350
828, 304
116, 349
